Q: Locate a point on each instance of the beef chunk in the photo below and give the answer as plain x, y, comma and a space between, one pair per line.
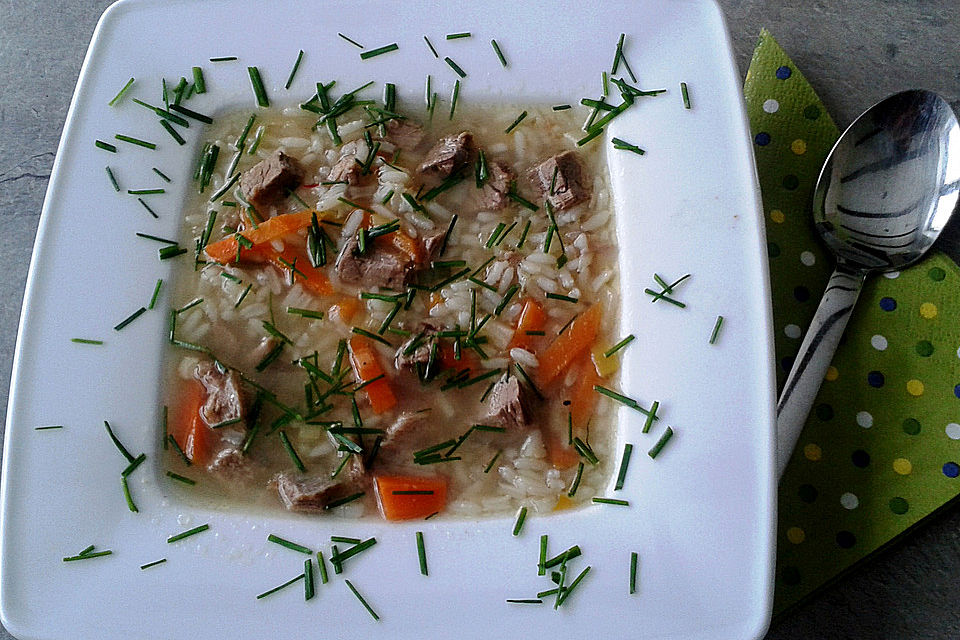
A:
494, 196
347, 168
418, 357
449, 154
433, 244
570, 188
268, 181
225, 396
509, 404
309, 494
404, 134
380, 266
231, 465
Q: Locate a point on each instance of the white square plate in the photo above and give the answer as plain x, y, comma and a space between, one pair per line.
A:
701, 515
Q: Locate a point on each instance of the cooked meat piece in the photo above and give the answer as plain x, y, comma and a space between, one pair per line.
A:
433, 244
347, 168
405, 424
230, 464
508, 403
404, 134
493, 196
419, 357
569, 189
309, 494
448, 155
268, 181
225, 396
378, 267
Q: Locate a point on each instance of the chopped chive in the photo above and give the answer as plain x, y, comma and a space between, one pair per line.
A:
242, 296
113, 180
630, 402
343, 501
523, 235
494, 235
222, 191
106, 146
379, 51
293, 71
117, 443
353, 42
239, 144
453, 65
145, 192
293, 546
432, 50
557, 296
655, 449
619, 345
561, 107
614, 501
173, 132
661, 295
322, 566
622, 145
518, 525
576, 480
523, 202
524, 601
162, 175
565, 593
187, 533
337, 558
516, 122
122, 92
126, 495
157, 238
490, 464
259, 92
53, 426
387, 197
624, 463
362, 601
457, 36
414, 492
130, 468
285, 441
152, 564
136, 141
198, 83
496, 48
88, 555
85, 341
686, 95
171, 251
306, 313
179, 449
282, 586
189, 305
541, 569
605, 83
593, 133
149, 210
453, 98
507, 296
223, 59
421, 554
563, 557
633, 572
372, 336
345, 540
586, 451
716, 330
180, 478
226, 423
308, 590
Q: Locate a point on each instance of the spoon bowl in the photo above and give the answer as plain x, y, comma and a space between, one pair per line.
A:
886, 191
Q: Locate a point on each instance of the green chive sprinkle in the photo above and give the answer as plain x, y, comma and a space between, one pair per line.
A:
136, 141
87, 554
152, 564
655, 449
414, 492
322, 566
453, 98
305, 313
85, 341
379, 51
686, 95
345, 540
421, 553
586, 451
180, 478
179, 449
541, 569
223, 59
157, 238
362, 601
187, 533
516, 122
136, 462
518, 525
117, 443
192, 114
457, 36
633, 572
343, 501
630, 402
557, 296
293, 71
524, 601
453, 65
106, 146
619, 345
293, 546
127, 496
624, 463
565, 593
291, 451
149, 210
490, 464
372, 336
113, 180
626, 146
661, 295
308, 590
53, 426
614, 501
716, 330
651, 416
282, 586
353, 42
179, 139
432, 50
496, 48
162, 175
562, 107
593, 133
563, 557
259, 92
122, 92
145, 192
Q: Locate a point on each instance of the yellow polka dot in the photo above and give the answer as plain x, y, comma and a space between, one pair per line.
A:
812, 452
777, 216
796, 535
902, 466
799, 147
832, 373
915, 388
928, 310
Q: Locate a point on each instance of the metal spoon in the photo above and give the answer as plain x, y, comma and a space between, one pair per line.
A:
887, 189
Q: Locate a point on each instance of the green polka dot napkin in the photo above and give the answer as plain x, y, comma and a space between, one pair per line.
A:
881, 450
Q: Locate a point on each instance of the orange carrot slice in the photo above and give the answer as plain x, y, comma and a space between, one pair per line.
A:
189, 429
407, 497
224, 251
532, 318
366, 367
345, 309
569, 345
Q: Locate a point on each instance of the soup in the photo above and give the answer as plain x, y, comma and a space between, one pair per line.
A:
396, 313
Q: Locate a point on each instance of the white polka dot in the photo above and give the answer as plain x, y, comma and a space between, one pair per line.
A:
958, 352
892, 275
771, 105
953, 431
864, 419
792, 331
849, 501
807, 258
879, 342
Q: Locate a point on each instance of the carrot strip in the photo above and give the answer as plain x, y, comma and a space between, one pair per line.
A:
583, 399
569, 345
316, 280
345, 309
366, 367
406, 497
532, 318
224, 251
189, 429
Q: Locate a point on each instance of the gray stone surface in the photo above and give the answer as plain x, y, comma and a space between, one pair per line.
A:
853, 53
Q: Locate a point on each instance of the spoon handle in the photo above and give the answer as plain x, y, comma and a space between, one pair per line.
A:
816, 353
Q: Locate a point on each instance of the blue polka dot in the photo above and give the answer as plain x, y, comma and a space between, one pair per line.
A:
888, 304
762, 139
875, 379
801, 293
956, 391
784, 72
951, 469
